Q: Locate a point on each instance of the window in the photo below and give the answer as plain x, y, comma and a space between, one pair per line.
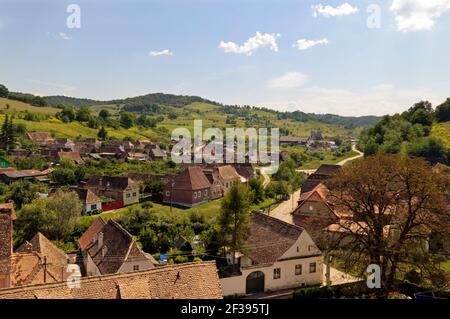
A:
298, 249
311, 207
312, 267
167, 193
298, 270
277, 273
135, 267
205, 193
195, 194
128, 195
199, 194
94, 207
134, 194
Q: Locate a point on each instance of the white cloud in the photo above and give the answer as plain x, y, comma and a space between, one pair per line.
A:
59, 86
418, 15
258, 41
378, 100
165, 52
288, 80
329, 11
64, 36
304, 44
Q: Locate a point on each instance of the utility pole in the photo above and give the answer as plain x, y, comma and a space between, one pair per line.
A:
327, 272
293, 201
171, 193
45, 269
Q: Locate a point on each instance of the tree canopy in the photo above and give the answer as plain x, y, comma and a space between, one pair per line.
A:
397, 203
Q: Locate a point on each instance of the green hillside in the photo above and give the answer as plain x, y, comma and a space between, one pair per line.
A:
211, 114
17, 106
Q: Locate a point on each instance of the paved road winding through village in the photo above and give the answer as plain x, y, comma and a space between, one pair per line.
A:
284, 209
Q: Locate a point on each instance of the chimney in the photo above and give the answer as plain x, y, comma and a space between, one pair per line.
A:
7, 216
100, 240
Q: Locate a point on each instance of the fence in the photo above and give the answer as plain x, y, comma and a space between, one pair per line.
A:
112, 205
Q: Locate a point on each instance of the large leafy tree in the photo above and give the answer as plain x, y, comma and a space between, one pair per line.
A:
23, 192
397, 203
3, 91
234, 217
102, 133
443, 111
83, 114
104, 114
127, 119
55, 216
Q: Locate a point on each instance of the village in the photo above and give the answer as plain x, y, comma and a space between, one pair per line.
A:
287, 245
224, 158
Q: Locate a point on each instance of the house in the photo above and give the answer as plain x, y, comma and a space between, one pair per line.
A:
314, 213
184, 281
112, 150
157, 154
128, 146
245, 171
277, 256
86, 146
316, 135
63, 144
40, 138
121, 188
89, 200
107, 248
137, 156
36, 261
4, 164
324, 172
189, 188
292, 140
73, 156
10, 176
222, 177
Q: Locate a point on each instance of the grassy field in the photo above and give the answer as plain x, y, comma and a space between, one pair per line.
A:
442, 131
329, 159
208, 113
16, 106
209, 210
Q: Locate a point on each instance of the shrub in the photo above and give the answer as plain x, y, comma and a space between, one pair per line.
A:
147, 205
181, 259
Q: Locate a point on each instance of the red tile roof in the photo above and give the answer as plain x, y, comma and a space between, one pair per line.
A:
192, 178
110, 182
269, 239
117, 246
9, 209
228, 172
37, 261
88, 236
184, 281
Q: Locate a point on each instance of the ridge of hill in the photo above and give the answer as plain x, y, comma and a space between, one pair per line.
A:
164, 103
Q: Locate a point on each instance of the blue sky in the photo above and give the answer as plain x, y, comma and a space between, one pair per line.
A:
352, 70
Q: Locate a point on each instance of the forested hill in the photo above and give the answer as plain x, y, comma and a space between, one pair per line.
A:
138, 102
159, 102
421, 131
